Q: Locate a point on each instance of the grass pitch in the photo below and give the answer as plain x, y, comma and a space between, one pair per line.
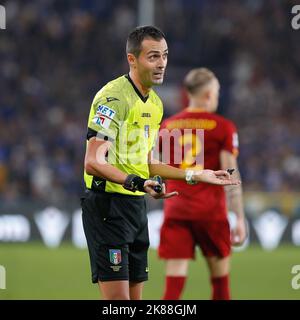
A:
36, 272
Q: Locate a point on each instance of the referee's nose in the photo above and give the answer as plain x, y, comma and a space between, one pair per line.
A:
162, 62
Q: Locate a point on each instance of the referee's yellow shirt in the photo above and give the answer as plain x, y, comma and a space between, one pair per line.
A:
120, 114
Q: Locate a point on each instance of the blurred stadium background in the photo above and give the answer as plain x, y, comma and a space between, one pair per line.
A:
55, 55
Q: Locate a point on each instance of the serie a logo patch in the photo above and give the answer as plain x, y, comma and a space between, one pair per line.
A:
115, 258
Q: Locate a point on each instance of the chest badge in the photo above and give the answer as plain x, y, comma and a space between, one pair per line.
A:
147, 131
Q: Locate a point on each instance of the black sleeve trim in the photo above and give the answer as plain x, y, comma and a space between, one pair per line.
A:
92, 133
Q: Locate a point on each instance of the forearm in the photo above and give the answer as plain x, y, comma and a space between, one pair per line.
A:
234, 194
235, 200
166, 171
236, 204
219, 177
106, 171
95, 162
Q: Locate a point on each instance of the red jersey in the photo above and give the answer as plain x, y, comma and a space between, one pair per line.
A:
201, 201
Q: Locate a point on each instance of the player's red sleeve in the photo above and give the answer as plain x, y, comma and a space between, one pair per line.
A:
231, 140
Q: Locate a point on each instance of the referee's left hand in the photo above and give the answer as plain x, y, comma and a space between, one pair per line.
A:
219, 177
148, 186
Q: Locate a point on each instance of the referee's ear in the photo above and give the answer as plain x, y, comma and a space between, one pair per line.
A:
131, 58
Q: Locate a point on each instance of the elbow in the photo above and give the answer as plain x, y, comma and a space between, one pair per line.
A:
88, 167
93, 166
94, 161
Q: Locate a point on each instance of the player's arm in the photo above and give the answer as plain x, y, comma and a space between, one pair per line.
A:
220, 177
103, 127
96, 165
234, 197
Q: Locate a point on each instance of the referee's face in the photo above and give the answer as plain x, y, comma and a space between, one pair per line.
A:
152, 61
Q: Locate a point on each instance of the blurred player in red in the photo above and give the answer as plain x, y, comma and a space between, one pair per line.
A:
198, 216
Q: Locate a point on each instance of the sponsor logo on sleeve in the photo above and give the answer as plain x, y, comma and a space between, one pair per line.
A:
106, 111
103, 116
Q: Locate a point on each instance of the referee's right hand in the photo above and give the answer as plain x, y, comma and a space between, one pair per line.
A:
148, 186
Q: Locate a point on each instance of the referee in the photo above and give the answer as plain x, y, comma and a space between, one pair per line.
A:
122, 128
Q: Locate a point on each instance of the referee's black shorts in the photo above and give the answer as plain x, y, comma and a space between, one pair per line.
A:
116, 229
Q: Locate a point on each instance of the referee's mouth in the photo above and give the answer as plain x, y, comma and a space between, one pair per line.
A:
158, 75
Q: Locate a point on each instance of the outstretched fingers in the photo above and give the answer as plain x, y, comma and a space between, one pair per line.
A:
229, 182
222, 174
170, 195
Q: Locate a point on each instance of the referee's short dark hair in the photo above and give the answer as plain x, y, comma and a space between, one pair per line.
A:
136, 37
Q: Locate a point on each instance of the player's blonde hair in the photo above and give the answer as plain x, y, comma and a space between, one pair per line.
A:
196, 79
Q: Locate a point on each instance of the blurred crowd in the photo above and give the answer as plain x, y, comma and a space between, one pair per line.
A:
55, 55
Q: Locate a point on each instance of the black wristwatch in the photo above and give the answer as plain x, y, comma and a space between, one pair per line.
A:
134, 183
